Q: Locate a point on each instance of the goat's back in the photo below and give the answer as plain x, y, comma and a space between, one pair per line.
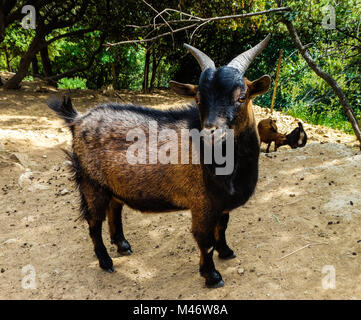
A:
100, 144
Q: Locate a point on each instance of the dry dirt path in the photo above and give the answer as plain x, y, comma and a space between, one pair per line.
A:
304, 196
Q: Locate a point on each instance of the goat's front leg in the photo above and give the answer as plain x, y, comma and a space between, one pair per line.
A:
203, 231
224, 252
269, 145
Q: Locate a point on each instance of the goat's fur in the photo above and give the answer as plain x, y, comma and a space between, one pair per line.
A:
268, 133
297, 138
107, 181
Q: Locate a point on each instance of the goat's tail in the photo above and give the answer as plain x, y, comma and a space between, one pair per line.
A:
300, 125
63, 108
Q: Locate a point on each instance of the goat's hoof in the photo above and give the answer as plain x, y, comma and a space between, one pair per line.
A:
226, 254
110, 270
227, 257
219, 284
124, 248
107, 265
126, 252
214, 280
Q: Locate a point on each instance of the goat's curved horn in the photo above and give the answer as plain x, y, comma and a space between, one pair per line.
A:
204, 61
243, 61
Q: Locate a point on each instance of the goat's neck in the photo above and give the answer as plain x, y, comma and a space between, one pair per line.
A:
246, 146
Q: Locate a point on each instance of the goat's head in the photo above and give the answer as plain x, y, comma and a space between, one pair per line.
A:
222, 93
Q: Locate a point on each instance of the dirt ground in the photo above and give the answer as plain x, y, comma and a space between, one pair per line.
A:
308, 199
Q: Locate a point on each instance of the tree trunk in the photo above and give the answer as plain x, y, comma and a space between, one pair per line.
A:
2, 25
326, 77
146, 71
7, 59
44, 53
35, 66
114, 76
26, 59
154, 71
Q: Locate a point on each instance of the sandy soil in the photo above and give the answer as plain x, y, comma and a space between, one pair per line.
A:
304, 196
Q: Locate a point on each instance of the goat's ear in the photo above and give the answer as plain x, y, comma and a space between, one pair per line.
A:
259, 86
183, 89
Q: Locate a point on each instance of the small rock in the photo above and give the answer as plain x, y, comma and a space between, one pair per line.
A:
2, 270
13, 240
67, 163
25, 178
64, 192
240, 271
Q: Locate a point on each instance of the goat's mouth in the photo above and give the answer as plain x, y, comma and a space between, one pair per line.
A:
217, 136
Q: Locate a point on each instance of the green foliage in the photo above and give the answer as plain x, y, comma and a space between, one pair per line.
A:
29, 78
301, 92
72, 83
15, 44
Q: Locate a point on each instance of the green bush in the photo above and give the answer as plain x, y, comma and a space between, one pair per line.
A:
28, 78
72, 83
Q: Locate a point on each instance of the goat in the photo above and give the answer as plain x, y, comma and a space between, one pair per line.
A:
297, 138
107, 181
268, 133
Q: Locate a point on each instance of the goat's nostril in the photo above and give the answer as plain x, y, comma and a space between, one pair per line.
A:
211, 128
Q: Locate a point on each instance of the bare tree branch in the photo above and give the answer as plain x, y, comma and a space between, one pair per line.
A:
198, 22
165, 21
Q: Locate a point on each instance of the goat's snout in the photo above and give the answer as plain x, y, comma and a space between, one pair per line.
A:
215, 124
215, 131
211, 127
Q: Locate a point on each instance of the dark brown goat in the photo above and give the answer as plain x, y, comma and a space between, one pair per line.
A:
268, 133
297, 138
107, 180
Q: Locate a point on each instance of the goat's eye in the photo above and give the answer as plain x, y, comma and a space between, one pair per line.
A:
241, 99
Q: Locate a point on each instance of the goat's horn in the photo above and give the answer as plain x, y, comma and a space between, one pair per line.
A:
204, 61
243, 61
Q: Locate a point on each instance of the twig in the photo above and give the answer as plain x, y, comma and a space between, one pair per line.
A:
150, 39
159, 24
180, 13
158, 14
199, 22
306, 246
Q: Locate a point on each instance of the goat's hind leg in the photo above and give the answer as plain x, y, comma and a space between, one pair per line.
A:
94, 202
224, 251
114, 214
